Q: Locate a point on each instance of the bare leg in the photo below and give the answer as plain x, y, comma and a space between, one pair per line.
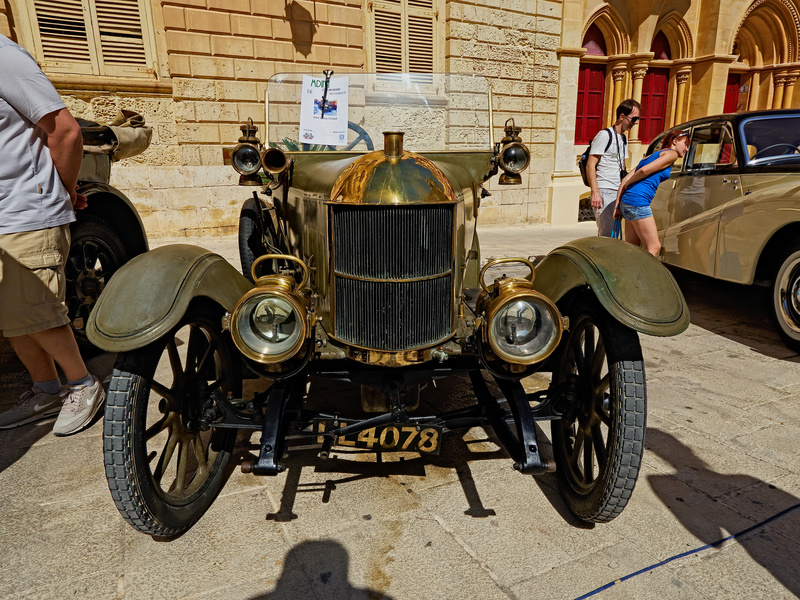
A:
41, 350
646, 231
630, 234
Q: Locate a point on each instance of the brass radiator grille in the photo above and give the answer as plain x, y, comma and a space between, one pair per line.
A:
392, 269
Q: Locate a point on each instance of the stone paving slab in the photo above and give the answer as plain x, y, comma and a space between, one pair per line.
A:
721, 457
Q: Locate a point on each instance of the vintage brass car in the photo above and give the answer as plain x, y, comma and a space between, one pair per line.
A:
363, 266
731, 209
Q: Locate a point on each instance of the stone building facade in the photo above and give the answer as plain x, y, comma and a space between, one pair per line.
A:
196, 69
206, 63
682, 60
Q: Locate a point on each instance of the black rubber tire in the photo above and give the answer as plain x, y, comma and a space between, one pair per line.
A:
95, 254
251, 244
612, 398
163, 505
786, 297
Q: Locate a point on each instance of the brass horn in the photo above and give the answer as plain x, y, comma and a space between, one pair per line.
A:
274, 161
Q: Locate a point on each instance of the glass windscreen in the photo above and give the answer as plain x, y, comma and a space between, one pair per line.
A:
772, 139
711, 147
350, 111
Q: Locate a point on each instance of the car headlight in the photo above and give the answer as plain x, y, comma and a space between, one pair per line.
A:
246, 159
524, 329
268, 326
514, 157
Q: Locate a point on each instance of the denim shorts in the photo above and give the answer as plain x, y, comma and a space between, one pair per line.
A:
634, 213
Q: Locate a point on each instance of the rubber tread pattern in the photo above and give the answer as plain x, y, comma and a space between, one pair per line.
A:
621, 343
117, 438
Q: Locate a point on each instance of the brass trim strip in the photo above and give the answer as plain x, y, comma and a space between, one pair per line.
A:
412, 280
391, 352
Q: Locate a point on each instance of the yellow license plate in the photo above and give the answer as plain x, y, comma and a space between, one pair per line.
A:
397, 437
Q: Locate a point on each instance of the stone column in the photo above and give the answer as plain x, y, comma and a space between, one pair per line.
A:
755, 81
618, 74
638, 72
788, 89
779, 81
682, 79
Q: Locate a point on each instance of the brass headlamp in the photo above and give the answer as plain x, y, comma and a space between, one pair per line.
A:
513, 156
270, 323
246, 156
522, 326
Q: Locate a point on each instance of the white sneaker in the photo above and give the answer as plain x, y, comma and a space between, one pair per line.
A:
81, 403
33, 405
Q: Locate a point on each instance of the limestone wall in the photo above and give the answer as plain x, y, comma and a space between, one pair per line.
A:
215, 56
513, 43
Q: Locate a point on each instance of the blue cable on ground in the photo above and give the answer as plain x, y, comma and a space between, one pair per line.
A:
689, 552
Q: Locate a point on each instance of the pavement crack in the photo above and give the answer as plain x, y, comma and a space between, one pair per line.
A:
474, 556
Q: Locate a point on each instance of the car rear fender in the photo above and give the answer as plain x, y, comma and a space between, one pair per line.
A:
118, 211
632, 286
147, 297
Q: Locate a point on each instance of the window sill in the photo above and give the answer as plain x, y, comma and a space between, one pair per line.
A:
75, 83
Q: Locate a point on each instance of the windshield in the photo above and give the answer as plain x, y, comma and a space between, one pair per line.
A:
350, 111
772, 139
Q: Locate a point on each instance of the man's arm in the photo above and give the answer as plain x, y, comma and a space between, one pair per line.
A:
591, 175
66, 147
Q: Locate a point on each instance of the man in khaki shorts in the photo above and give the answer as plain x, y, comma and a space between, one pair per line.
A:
40, 156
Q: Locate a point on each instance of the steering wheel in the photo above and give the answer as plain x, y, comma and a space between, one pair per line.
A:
362, 136
792, 147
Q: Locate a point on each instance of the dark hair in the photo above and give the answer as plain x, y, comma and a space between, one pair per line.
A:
626, 107
671, 137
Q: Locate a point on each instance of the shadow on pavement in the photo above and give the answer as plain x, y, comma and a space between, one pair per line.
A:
712, 506
16, 442
317, 569
740, 313
459, 449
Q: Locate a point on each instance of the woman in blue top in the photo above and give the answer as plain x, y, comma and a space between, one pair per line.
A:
638, 189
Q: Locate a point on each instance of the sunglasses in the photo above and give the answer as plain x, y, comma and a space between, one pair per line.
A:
633, 119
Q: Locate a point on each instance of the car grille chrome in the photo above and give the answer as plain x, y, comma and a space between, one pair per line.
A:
393, 275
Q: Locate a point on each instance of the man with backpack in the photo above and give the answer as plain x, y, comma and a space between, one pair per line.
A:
605, 164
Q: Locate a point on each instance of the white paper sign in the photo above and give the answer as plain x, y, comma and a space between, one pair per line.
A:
328, 126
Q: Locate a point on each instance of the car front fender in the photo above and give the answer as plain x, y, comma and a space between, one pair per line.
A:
148, 296
632, 286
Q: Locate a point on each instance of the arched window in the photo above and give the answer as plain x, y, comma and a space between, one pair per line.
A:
591, 89
660, 47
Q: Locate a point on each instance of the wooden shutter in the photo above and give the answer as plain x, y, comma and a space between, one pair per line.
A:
64, 39
732, 93
405, 40
388, 40
654, 104
591, 94
92, 37
421, 43
119, 24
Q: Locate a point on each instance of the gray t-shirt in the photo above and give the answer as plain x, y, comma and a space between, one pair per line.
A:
32, 195
610, 162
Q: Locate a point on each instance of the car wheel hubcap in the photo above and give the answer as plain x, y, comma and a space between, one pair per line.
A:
789, 296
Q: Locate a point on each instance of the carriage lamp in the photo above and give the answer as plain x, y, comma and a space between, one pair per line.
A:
246, 156
514, 156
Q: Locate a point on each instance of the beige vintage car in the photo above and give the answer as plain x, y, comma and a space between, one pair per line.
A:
731, 209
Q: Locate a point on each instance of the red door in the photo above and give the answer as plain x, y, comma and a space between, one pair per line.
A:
654, 104
732, 92
591, 91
